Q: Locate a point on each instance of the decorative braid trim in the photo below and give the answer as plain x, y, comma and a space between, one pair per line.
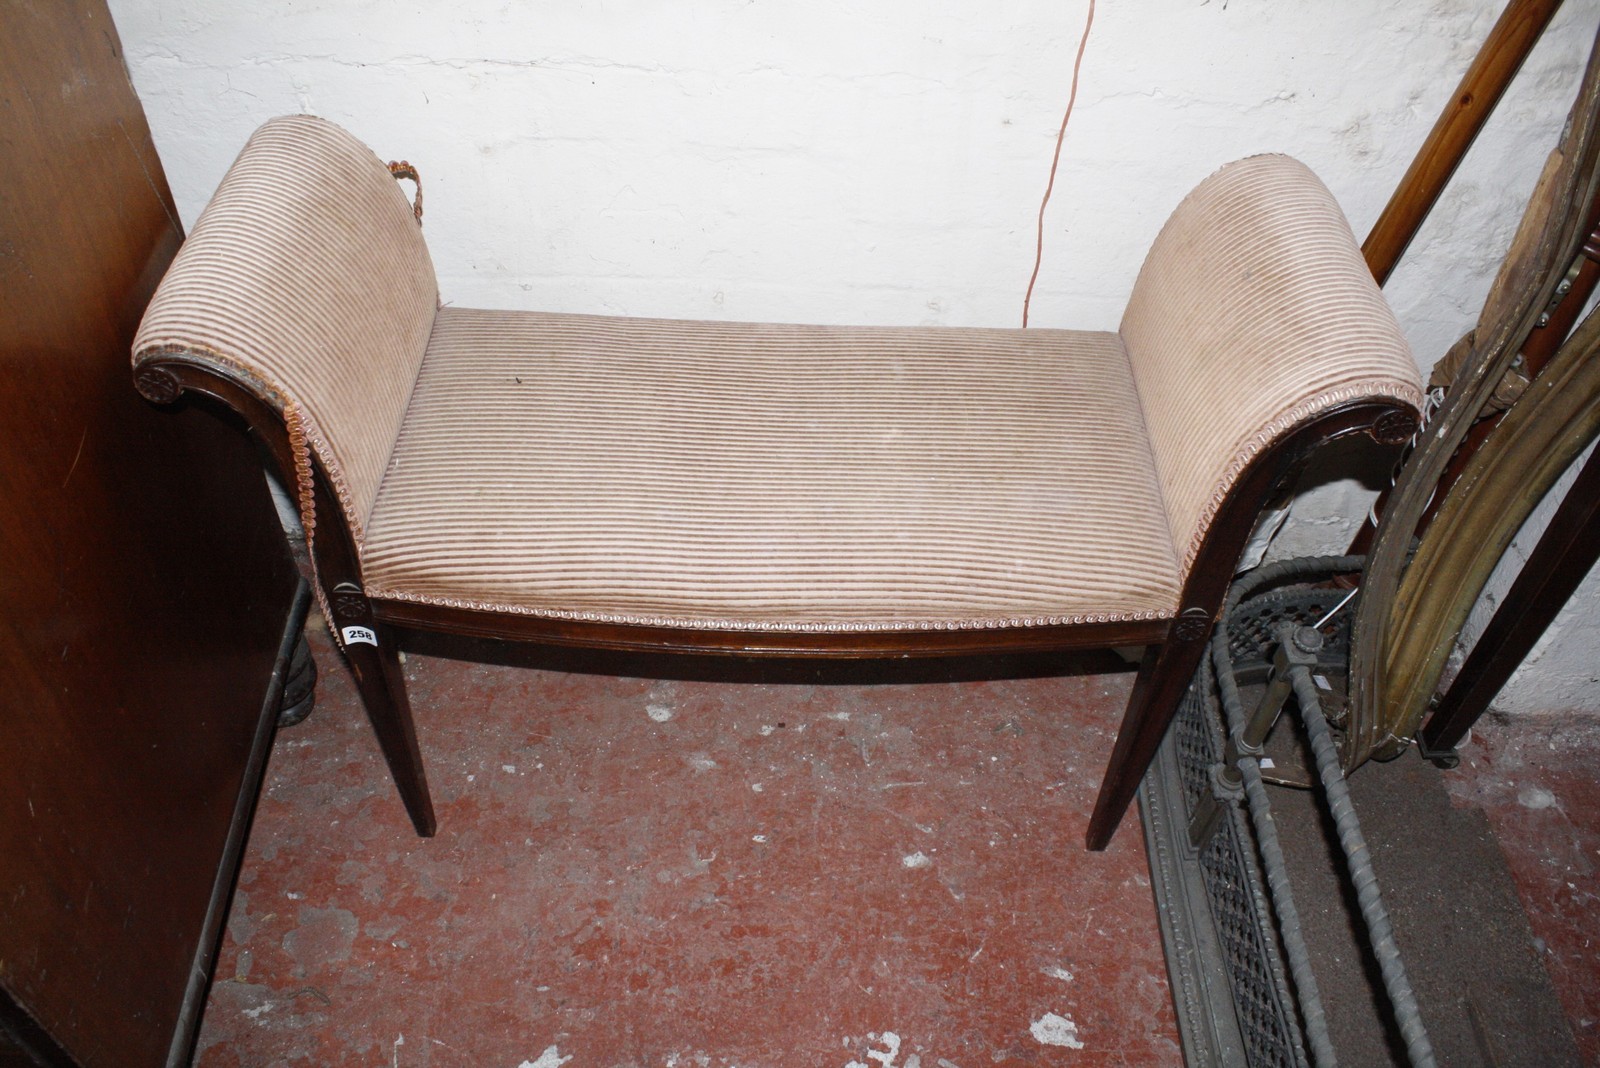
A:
281, 401
798, 627
1367, 389
306, 498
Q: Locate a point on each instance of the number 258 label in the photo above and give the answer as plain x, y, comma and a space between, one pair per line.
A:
359, 636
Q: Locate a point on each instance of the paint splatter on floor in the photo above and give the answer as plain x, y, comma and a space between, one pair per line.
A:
1053, 1030
550, 1058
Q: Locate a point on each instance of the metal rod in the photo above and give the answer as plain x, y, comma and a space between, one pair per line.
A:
1323, 622
1290, 931
1419, 1049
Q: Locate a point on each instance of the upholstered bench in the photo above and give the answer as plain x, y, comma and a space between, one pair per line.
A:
743, 488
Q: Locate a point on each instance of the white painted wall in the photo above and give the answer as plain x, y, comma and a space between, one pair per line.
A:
876, 162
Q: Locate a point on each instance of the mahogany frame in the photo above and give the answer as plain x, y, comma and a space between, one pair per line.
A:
1173, 647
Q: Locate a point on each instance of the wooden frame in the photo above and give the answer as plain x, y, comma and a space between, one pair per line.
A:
1563, 558
1552, 234
1173, 646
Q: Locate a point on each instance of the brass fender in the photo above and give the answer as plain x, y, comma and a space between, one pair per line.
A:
1522, 458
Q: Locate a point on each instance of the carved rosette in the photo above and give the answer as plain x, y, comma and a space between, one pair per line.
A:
1394, 428
157, 384
1192, 624
349, 607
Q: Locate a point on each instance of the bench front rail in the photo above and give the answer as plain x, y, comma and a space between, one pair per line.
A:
757, 489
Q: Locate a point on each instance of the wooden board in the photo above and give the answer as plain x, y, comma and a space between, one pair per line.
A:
144, 584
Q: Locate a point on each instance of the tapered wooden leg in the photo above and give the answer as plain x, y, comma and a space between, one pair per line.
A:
1164, 676
375, 662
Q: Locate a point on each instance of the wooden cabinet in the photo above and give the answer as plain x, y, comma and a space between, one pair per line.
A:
145, 587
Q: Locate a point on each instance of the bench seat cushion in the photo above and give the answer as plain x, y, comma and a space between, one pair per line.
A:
751, 476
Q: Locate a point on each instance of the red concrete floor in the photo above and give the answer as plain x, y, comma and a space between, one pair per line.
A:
634, 872
690, 874
1535, 779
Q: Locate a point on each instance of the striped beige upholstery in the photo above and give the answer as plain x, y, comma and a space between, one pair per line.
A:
747, 476
307, 278
780, 477
1254, 311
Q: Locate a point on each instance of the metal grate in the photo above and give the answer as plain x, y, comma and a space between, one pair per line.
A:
1250, 626
1268, 1027
1231, 884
